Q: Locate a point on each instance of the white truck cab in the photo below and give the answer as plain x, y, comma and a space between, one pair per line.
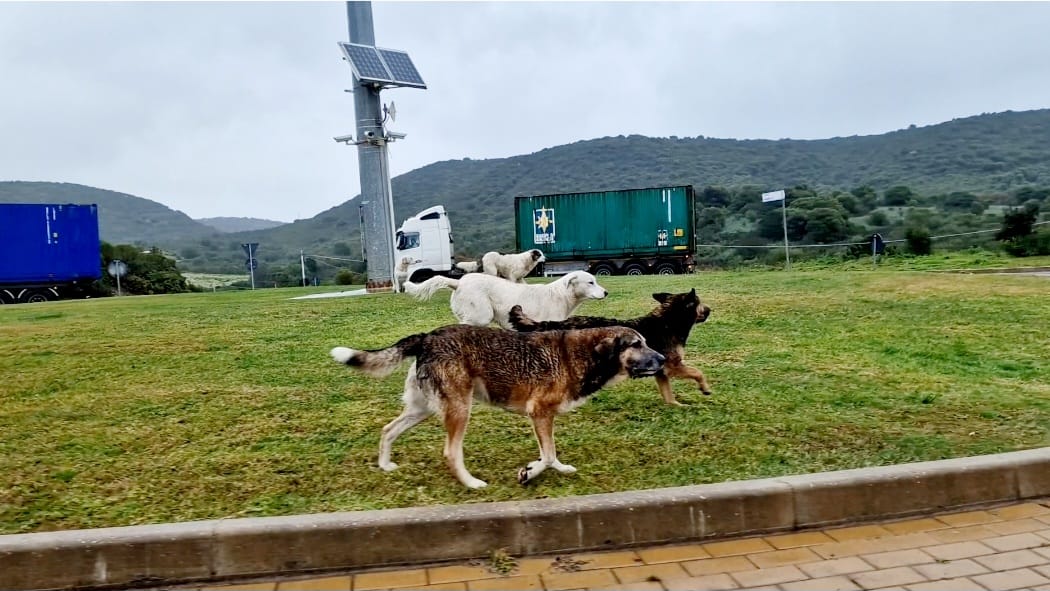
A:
425, 241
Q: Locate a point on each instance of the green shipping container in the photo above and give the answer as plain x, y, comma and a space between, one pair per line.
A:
631, 223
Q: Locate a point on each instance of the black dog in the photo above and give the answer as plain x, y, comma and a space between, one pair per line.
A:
665, 329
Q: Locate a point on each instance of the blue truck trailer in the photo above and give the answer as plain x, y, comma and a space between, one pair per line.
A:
48, 251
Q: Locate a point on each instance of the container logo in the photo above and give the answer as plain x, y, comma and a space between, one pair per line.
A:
661, 238
543, 226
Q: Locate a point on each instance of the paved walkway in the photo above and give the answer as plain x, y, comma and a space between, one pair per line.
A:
996, 549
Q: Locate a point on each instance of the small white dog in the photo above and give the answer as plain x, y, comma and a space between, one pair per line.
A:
511, 266
401, 271
467, 266
479, 299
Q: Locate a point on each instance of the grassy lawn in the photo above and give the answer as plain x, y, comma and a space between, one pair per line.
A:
170, 408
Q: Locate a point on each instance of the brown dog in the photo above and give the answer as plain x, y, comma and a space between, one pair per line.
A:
539, 375
666, 329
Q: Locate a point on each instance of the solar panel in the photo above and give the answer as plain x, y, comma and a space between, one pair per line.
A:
365, 61
389, 67
402, 70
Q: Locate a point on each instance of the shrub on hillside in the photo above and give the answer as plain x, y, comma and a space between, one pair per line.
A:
1037, 244
918, 240
148, 272
344, 277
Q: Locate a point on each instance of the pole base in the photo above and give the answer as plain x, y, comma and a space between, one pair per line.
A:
382, 286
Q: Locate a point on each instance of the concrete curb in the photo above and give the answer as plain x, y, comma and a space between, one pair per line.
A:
223, 549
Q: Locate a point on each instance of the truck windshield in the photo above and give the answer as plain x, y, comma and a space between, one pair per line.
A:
407, 240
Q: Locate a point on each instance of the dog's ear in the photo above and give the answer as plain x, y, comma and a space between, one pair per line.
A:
536, 254
692, 292
606, 348
662, 297
625, 340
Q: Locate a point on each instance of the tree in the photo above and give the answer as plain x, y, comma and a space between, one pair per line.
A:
715, 197
898, 196
814, 202
710, 222
341, 249
1028, 193
344, 277
1017, 223
878, 218
827, 225
797, 224
850, 203
149, 272
771, 224
866, 197
918, 240
960, 200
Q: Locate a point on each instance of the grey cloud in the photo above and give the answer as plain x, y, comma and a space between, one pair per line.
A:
229, 108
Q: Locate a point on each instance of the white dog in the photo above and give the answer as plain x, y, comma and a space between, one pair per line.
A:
401, 271
479, 299
467, 266
511, 266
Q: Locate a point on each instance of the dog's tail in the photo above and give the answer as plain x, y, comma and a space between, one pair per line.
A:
380, 363
520, 321
426, 290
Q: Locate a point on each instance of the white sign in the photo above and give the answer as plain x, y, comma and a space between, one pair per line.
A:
117, 268
774, 196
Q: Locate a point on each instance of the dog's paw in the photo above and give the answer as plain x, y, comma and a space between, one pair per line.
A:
563, 468
530, 471
475, 483
388, 467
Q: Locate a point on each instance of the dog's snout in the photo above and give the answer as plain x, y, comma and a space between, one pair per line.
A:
656, 360
605, 293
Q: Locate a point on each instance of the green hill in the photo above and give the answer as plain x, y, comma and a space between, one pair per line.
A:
966, 169
228, 224
122, 218
991, 155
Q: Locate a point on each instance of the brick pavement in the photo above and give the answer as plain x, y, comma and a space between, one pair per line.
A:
997, 549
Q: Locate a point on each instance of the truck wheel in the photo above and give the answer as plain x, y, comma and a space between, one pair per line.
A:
666, 269
33, 296
603, 270
634, 269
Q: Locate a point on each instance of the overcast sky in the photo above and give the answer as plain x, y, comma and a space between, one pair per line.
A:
229, 109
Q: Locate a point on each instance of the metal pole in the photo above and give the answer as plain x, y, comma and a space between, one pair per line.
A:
873, 263
784, 218
251, 264
118, 284
377, 201
302, 265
